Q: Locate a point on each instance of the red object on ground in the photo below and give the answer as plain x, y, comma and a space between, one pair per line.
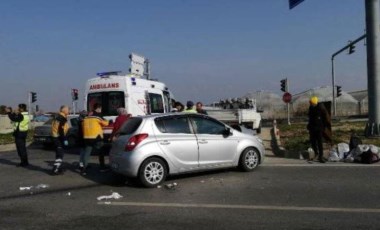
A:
287, 97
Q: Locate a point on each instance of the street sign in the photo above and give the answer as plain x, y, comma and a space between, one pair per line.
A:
287, 97
294, 3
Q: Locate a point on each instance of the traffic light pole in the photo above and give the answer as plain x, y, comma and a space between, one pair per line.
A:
333, 68
373, 67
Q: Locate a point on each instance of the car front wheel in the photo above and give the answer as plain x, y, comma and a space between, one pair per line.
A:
249, 159
152, 172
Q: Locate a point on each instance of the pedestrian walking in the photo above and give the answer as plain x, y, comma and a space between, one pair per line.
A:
190, 107
59, 130
20, 120
199, 108
318, 122
93, 138
122, 117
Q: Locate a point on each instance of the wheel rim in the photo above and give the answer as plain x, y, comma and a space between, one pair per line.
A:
154, 173
251, 159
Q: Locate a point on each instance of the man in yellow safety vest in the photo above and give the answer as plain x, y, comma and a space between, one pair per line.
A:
20, 120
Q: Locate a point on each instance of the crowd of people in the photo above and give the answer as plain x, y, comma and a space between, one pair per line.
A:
90, 132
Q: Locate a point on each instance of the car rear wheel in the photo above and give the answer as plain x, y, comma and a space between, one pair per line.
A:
152, 172
249, 159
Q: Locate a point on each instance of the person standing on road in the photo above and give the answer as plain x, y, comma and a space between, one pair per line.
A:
199, 108
20, 120
122, 117
190, 107
59, 130
318, 121
93, 138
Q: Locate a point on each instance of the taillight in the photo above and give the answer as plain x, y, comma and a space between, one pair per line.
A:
134, 141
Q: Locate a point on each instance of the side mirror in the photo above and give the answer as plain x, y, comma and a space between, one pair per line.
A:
227, 132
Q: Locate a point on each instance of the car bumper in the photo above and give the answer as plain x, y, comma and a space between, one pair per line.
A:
124, 164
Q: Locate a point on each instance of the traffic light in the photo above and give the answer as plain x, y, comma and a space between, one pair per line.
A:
351, 49
33, 96
74, 94
338, 91
284, 85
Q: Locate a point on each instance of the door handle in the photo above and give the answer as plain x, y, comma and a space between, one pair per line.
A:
202, 142
164, 143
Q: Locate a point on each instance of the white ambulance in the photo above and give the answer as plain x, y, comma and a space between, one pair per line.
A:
138, 95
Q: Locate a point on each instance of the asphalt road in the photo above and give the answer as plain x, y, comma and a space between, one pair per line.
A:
281, 194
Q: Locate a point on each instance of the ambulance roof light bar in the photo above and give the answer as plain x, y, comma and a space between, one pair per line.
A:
107, 74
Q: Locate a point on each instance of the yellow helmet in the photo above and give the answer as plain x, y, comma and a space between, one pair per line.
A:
314, 100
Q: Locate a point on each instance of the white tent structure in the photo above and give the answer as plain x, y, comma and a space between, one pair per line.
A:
269, 103
346, 104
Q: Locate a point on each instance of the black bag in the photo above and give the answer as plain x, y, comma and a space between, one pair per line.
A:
354, 142
369, 157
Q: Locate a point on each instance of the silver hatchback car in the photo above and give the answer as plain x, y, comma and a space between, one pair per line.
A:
152, 147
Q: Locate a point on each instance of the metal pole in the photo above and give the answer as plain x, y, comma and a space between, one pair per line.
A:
333, 86
29, 102
373, 67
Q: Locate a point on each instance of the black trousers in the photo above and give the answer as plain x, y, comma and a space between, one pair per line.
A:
316, 140
59, 151
21, 148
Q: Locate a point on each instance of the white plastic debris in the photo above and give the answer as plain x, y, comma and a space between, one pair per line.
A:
171, 186
114, 195
311, 153
374, 149
68, 194
42, 186
343, 148
333, 156
159, 186
26, 188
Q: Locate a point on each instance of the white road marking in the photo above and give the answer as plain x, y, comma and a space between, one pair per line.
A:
249, 207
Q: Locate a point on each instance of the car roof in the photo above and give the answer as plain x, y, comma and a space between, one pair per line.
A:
172, 114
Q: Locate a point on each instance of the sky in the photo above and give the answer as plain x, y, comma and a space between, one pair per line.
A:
204, 50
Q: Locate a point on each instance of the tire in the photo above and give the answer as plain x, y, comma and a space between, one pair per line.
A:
249, 160
154, 166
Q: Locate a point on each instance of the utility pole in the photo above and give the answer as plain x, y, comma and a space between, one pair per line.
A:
373, 67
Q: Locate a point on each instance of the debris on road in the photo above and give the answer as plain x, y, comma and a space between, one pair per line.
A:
114, 195
171, 186
202, 181
159, 186
40, 186
68, 194
26, 188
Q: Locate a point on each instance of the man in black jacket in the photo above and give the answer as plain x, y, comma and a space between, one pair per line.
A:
20, 120
318, 121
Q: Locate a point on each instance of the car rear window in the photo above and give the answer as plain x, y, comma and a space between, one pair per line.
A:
130, 126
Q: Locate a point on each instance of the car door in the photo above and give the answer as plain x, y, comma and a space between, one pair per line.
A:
215, 149
176, 139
